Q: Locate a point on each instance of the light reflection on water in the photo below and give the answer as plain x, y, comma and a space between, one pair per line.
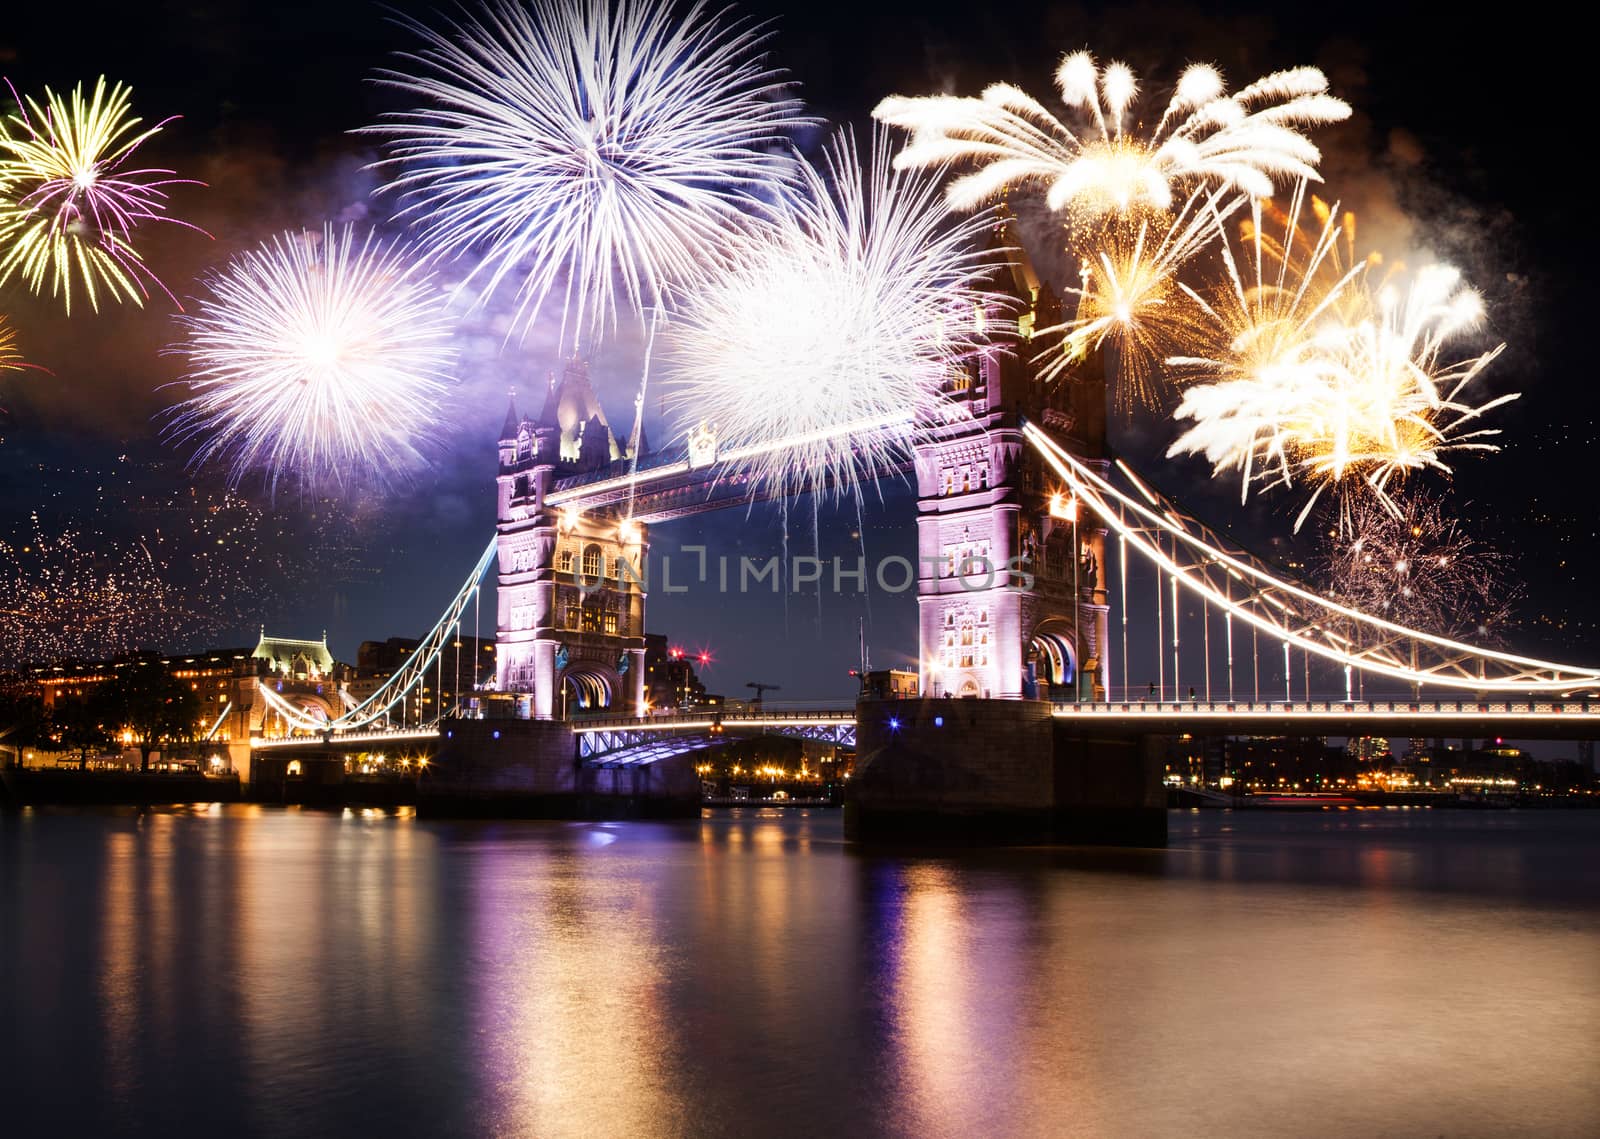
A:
250, 971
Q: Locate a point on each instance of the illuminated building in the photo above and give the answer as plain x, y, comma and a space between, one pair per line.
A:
988, 520
570, 592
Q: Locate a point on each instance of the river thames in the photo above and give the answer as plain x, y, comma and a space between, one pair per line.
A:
249, 971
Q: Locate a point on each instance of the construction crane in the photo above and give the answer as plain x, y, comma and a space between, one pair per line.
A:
761, 689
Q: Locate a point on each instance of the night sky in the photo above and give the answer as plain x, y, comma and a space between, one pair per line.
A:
1465, 145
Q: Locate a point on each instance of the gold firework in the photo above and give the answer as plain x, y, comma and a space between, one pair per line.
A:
1131, 305
1317, 368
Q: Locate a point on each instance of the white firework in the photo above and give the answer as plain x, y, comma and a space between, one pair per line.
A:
837, 329
1245, 141
1363, 402
315, 355
605, 146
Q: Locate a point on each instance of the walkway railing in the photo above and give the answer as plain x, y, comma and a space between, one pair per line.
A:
1399, 709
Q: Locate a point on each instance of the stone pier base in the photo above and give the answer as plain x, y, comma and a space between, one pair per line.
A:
999, 771
529, 769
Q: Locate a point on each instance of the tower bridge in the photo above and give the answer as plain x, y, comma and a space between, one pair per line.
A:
1028, 532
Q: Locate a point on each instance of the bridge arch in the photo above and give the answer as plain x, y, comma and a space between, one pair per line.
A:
285, 707
1050, 651
588, 687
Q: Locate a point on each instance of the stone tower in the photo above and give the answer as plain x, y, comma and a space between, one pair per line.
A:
570, 628
1012, 596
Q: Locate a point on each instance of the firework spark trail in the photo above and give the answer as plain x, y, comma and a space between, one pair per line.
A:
315, 355
68, 205
11, 359
1415, 566
837, 330
1241, 142
1344, 388
1257, 333
610, 143
1131, 299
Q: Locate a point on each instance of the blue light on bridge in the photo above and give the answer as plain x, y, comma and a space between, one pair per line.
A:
497, 733
938, 721
894, 724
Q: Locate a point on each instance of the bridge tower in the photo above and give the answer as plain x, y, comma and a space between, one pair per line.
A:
569, 633
985, 503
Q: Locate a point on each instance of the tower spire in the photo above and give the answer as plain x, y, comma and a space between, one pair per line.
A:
509, 430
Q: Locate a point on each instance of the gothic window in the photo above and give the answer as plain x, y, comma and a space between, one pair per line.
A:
564, 561
611, 623
966, 479
593, 563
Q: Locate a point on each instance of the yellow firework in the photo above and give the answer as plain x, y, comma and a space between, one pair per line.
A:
10, 354
69, 204
1319, 370
1131, 306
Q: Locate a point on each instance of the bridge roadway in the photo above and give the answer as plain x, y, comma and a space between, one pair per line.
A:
363, 736
1515, 719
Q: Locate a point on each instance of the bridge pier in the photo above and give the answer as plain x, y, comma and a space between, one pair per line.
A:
530, 769
1000, 771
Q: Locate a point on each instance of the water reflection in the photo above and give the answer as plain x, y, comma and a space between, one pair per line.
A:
280, 972
570, 1029
954, 1003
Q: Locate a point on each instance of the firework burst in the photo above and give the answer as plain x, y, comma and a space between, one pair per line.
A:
69, 203
10, 354
1262, 322
1415, 566
1241, 142
317, 355
614, 145
1348, 389
1130, 300
837, 329
1257, 332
